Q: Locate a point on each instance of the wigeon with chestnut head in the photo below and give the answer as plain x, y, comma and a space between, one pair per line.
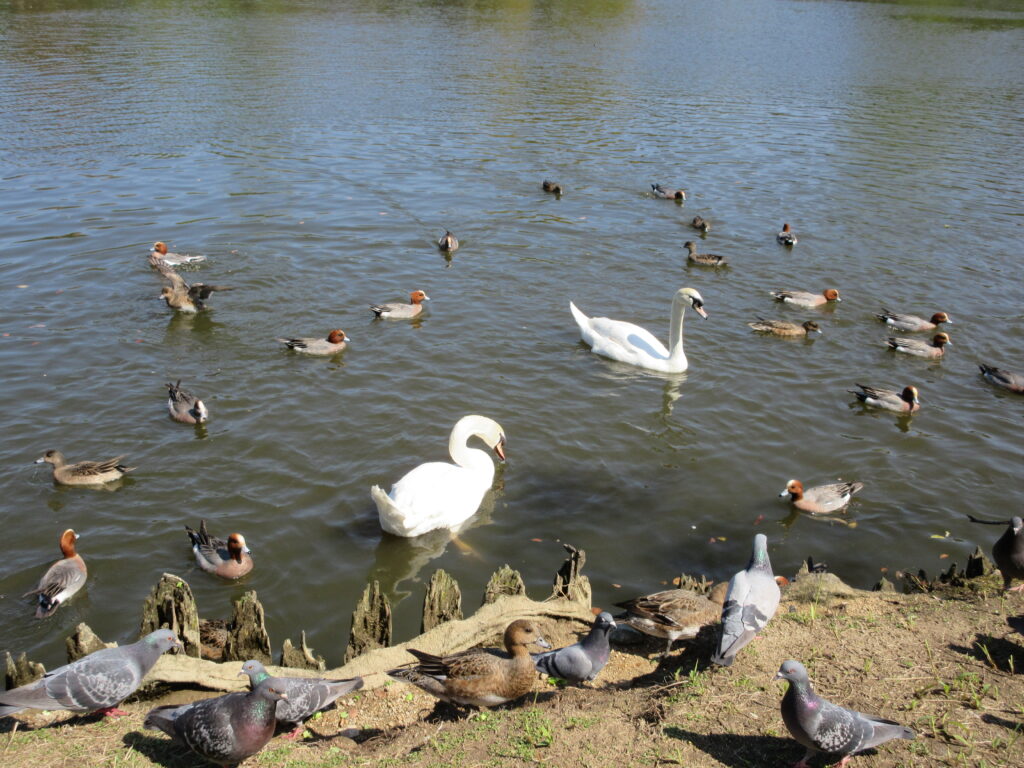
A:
160, 251
912, 323
668, 194
807, 299
786, 236
184, 406
397, 311
227, 559
335, 342
62, 579
906, 401
933, 349
821, 499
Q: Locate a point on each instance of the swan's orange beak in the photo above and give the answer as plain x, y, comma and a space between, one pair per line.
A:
499, 448
700, 311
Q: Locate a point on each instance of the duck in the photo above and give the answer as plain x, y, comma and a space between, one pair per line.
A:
478, 677
668, 194
84, 472
398, 311
180, 295
786, 236
228, 559
552, 186
633, 345
442, 495
448, 242
907, 401
911, 323
184, 406
335, 342
1003, 378
779, 328
674, 614
159, 250
807, 299
701, 223
704, 259
821, 499
933, 349
62, 579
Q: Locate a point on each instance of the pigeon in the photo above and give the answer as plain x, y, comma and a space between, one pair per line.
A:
822, 726
750, 603
305, 696
98, 681
674, 614
62, 579
582, 661
1008, 551
226, 729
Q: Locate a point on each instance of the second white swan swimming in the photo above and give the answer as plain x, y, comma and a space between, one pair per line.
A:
637, 346
442, 495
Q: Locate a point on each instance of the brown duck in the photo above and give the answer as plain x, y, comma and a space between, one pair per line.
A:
674, 614
179, 294
84, 472
478, 677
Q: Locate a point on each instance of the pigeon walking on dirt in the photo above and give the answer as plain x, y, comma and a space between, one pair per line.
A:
305, 695
1008, 551
750, 603
582, 661
226, 729
99, 681
822, 726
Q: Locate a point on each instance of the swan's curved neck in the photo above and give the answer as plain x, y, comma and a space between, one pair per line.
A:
675, 330
462, 454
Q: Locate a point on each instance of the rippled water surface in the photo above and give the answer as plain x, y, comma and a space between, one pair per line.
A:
315, 151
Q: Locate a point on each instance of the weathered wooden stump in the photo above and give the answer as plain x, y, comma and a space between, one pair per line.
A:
83, 642
442, 602
978, 565
570, 583
22, 672
247, 632
371, 623
504, 581
171, 605
301, 657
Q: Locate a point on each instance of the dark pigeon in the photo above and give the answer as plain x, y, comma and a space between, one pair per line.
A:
582, 661
99, 681
750, 603
226, 729
305, 695
822, 726
1008, 551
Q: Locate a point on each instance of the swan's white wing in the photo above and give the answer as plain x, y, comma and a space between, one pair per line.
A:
619, 340
433, 495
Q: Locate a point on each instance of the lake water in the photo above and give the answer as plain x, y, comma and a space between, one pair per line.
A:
316, 150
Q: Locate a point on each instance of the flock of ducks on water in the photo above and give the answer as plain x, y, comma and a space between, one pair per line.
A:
444, 495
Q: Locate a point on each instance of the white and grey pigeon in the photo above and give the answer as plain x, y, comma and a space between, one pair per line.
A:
582, 661
306, 695
99, 681
822, 726
750, 603
227, 729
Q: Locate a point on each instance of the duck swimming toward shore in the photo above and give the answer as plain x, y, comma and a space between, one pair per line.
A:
84, 472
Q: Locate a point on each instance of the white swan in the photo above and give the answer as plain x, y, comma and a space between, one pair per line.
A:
440, 495
637, 346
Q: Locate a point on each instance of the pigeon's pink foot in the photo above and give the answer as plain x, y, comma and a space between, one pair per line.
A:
843, 762
296, 734
802, 764
1018, 588
114, 712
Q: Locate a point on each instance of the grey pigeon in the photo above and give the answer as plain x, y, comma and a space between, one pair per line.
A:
749, 605
1008, 551
582, 661
822, 726
305, 695
99, 681
226, 729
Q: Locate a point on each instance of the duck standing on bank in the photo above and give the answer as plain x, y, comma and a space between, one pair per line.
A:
228, 559
478, 677
583, 661
62, 579
84, 472
227, 729
185, 407
822, 726
97, 682
442, 495
304, 696
398, 311
750, 603
674, 614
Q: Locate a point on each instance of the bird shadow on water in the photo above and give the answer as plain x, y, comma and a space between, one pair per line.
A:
738, 751
1004, 655
163, 751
